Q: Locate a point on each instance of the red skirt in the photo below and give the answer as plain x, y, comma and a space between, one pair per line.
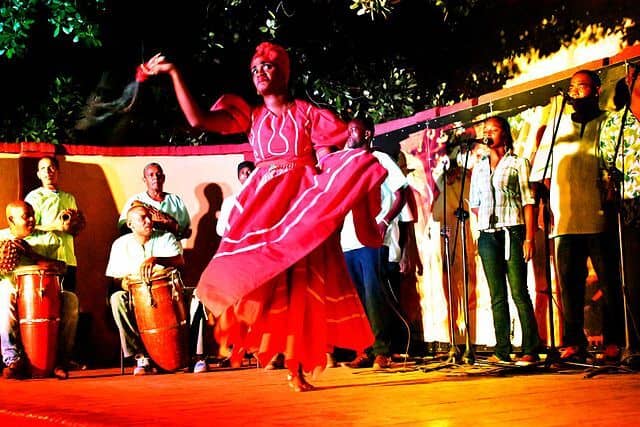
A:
279, 281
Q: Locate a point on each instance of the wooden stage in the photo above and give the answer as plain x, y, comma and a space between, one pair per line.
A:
404, 395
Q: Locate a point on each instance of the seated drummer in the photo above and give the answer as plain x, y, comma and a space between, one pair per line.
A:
138, 254
35, 248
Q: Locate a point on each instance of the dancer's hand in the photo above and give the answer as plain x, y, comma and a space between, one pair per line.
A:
158, 64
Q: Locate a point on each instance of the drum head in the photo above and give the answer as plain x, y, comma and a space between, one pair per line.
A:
159, 273
38, 269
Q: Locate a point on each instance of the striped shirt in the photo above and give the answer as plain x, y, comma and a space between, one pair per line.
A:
500, 194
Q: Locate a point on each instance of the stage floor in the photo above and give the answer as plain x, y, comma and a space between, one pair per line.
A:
345, 397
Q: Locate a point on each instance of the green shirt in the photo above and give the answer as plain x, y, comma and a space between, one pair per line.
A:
629, 151
47, 204
43, 243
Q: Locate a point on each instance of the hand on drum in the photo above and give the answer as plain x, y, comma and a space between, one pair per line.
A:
146, 269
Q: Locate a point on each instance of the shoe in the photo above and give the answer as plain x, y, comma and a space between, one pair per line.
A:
496, 359
331, 362
61, 373
200, 367
362, 361
381, 362
573, 354
143, 367
14, 370
527, 360
276, 362
611, 352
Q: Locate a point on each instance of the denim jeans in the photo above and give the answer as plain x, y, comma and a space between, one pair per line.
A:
491, 247
9, 324
365, 270
572, 251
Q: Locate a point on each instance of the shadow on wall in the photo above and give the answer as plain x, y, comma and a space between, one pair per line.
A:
206, 240
97, 341
9, 190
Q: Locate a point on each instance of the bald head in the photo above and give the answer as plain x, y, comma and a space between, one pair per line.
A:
21, 219
139, 221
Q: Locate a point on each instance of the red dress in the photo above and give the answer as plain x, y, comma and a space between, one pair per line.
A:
279, 280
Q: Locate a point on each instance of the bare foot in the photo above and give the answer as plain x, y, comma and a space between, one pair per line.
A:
298, 383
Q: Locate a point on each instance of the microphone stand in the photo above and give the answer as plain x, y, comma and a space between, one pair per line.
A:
626, 353
552, 352
454, 358
462, 215
553, 355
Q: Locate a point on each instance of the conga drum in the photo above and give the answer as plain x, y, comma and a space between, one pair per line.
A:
160, 313
39, 311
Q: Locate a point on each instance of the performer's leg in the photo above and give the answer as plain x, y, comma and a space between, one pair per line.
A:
68, 326
517, 275
571, 263
11, 352
491, 250
603, 253
129, 337
631, 249
296, 378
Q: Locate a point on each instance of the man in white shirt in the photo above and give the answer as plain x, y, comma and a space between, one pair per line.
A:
174, 216
365, 263
138, 254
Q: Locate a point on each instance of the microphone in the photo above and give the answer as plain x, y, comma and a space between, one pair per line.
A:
565, 96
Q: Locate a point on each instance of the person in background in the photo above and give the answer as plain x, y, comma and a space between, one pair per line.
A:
168, 211
39, 248
624, 162
579, 221
502, 200
366, 264
278, 281
138, 254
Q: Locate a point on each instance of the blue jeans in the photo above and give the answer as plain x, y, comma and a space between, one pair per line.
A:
572, 251
365, 270
491, 247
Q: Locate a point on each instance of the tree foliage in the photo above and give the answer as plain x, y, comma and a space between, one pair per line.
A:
388, 58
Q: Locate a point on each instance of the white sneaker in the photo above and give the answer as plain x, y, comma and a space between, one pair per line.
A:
200, 367
143, 367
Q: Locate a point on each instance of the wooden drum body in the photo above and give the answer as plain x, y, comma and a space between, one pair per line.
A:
161, 317
39, 311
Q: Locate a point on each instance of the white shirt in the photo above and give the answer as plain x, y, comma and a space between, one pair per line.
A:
394, 181
127, 254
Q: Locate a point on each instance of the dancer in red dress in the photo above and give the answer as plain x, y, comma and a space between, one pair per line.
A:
279, 281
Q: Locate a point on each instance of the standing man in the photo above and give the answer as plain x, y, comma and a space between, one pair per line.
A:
138, 253
365, 264
168, 211
625, 159
52, 208
41, 248
578, 215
